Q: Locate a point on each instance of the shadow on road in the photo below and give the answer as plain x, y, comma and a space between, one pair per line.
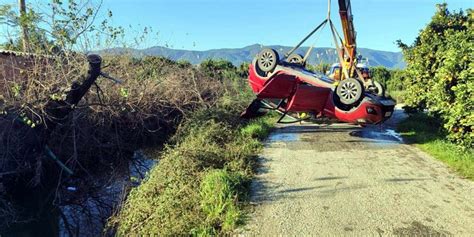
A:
406, 179
331, 178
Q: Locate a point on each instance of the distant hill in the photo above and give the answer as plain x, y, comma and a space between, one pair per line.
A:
246, 54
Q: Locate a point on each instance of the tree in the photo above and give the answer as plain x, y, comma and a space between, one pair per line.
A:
216, 67
440, 72
66, 26
396, 81
24, 27
381, 74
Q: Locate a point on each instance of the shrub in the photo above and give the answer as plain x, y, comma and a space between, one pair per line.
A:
381, 74
216, 68
440, 72
200, 182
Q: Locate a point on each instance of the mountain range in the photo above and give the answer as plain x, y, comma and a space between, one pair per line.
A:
239, 55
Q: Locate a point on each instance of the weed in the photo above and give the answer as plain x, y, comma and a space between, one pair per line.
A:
258, 129
202, 179
218, 195
426, 132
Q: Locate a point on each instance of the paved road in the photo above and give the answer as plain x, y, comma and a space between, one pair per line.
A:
345, 180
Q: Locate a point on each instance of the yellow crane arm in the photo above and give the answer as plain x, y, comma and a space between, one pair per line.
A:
345, 13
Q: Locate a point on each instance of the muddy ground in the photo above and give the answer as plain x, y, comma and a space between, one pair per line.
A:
345, 180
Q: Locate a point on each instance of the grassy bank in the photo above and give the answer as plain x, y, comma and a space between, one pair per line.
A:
424, 131
202, 178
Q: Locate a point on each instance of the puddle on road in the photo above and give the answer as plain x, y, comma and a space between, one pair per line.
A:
382, 136
391, 132
331, 139
283, 137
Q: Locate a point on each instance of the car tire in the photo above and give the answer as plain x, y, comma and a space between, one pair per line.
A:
378, 89
350, 91
296, 59
267, 60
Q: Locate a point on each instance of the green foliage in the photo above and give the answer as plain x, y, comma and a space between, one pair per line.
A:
201, 179
69, 25
381, 74
124, 92
8, 16
426, 132
184, 64
440, 72
392, 79
396, 81
218, 194
322, 67
16, 90
216, 68
244, 70
259, 128
37, 36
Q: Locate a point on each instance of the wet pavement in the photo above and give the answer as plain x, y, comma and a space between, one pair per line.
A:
343, 179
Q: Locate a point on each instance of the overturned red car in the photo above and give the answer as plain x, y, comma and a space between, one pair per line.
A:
288, 87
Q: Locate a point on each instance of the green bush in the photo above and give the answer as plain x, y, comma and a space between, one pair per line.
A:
216, 68
218, 194
243, 70
440, 72
257, 129
381, 74
395, 85
201, 179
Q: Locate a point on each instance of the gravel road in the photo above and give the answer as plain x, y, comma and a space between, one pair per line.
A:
345, 180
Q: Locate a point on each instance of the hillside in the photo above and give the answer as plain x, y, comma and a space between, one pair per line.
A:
246, 54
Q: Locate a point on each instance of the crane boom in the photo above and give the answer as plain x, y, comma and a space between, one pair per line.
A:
345, 13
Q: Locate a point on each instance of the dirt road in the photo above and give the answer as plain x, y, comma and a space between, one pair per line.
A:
345, 180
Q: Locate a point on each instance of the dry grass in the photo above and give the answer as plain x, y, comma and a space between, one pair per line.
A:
97, 139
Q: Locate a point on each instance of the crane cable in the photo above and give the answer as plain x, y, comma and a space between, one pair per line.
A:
336, 36
359, 74
306, 38
306, 56
336, 44
328, 18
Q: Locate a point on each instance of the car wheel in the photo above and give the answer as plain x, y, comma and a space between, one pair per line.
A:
349, 91
267, 60
296, 59
378, 89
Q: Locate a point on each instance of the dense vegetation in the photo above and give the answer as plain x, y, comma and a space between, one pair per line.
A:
440, 72
204, 171
437, 87
201, 180
212, 150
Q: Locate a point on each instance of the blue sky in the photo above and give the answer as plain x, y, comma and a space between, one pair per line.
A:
209, 24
